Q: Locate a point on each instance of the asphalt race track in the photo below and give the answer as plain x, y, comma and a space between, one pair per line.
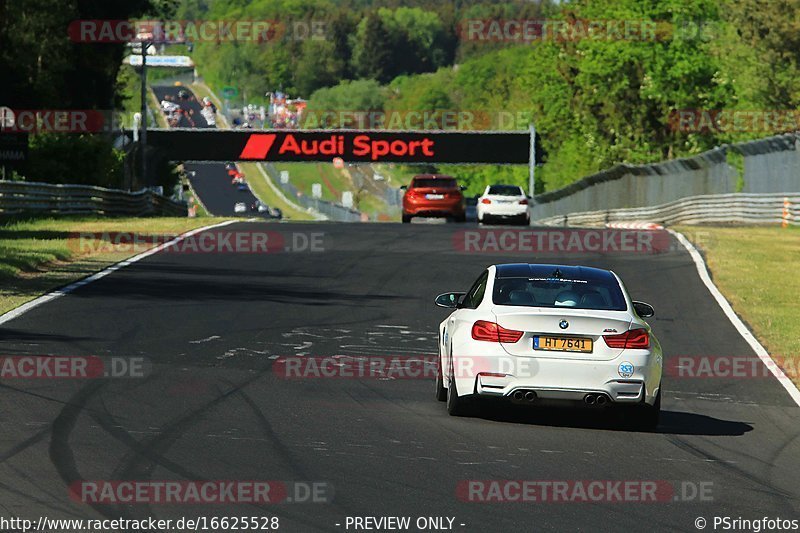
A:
214, 407
210, 180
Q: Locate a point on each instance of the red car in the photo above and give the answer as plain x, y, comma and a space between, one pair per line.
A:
434, 195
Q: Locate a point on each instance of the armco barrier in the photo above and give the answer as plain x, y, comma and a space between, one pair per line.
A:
705, 209
18, 197
770, 166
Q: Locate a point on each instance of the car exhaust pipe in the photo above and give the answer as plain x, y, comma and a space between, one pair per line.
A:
530, 396
519, 395
601, 399
590, 399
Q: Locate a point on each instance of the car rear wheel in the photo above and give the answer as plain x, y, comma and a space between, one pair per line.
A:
646, 417
406, 218
441, 392
461, 218
457, 405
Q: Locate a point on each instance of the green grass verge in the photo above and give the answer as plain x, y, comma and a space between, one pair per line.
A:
266, 194
304, 175
756, 270
39, 255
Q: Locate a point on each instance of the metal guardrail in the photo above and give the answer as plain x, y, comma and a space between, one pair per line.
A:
18, 197
772, 208
765, 166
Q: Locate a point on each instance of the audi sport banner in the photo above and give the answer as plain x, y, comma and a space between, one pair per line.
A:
350, 145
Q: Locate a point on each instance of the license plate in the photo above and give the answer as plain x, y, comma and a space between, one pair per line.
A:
434, 196
562, 344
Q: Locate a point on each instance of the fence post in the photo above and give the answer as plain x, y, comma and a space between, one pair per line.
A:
786, 215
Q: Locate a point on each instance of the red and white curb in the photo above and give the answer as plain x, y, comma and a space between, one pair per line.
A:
634, 225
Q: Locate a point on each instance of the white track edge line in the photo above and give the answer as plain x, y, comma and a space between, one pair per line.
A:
746, 334
36, 302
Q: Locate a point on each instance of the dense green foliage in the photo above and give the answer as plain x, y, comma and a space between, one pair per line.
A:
43, 69
596, 102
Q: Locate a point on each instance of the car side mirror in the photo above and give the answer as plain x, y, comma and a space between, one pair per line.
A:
643, 310
403, 187
449, 300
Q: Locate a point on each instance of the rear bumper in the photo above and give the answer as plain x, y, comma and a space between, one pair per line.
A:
503, 211
455, 207
500, 375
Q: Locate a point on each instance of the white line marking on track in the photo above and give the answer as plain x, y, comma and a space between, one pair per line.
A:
24, 308
746, 334
207, 339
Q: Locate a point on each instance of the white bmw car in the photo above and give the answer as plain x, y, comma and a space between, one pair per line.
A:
503, 202
549, 334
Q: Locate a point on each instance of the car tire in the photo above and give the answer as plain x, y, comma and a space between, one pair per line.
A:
457, 405
441, 392
646, 417
461, 218
406, 219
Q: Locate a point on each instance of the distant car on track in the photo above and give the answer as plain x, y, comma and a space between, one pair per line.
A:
242, 187
433, 195
259, 207
240, 207
503, 202
544, 334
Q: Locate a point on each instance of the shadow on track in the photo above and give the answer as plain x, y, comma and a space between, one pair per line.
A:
672, 422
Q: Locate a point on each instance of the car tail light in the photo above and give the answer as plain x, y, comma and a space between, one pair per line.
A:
635, 339
524, 201
486, 201
492, 332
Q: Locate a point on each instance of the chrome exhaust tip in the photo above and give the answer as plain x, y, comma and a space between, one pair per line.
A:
590, 399
518, 395
601, 399
530, 396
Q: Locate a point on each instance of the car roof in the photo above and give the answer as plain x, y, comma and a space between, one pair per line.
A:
535, 270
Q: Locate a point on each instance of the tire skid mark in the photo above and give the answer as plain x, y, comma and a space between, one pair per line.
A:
160, 443
286, 455
685, 445
61, 454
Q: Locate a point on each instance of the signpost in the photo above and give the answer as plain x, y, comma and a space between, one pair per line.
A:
368, 146
230, 93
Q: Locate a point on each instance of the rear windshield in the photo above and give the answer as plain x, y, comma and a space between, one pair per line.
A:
505, 190
557, 292
442, 183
